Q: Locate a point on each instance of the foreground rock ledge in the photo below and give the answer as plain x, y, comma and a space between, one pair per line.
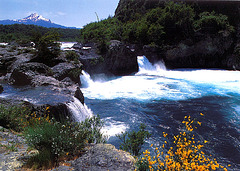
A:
101, 157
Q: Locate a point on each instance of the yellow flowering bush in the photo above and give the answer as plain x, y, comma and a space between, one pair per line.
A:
184, 154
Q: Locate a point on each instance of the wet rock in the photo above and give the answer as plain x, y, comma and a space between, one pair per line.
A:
120, 59
1, 88
79, 95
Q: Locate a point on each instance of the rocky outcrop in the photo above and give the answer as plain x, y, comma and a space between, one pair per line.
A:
120, 60
207, 53
79, 95
12, 159
24, 73
101, 157
67, 69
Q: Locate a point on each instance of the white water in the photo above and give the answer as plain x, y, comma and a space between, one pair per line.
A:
67, 45
79, 111
154, 82
86, 80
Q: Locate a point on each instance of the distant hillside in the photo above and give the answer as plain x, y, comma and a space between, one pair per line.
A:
24, 33
33, 19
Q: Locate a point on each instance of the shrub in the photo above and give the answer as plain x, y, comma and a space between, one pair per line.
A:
184, 154
54, 139
212, 22
133, 141
12, 117
47, 46
72, 56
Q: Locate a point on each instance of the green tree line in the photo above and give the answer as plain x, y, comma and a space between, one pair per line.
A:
24, 33
161, 25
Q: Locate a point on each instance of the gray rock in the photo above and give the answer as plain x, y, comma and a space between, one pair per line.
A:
121, 60
67, 69
102, 157
24, 73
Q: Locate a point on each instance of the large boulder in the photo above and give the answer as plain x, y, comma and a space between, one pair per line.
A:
207, 53
67, 69
102, 157
120, 59
24, 73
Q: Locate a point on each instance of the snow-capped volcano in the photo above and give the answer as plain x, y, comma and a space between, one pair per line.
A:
34, 17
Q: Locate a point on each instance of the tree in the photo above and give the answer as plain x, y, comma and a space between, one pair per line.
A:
47, 46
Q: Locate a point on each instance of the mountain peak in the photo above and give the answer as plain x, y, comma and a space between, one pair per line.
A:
34, 17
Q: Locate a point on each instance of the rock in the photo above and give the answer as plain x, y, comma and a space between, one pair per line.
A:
207, 53
67, 69
102, 157
1, 88
120, 60
77, 46
79, 95
24, 73
11, 160
42, 80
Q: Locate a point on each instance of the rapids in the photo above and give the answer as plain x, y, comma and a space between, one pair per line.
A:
161, 98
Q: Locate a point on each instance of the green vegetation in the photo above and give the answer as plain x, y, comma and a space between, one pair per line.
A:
23, 33
13, 117
47, 46
133, 141
159, 26
212, 22
52, 139
55, 139
72, 56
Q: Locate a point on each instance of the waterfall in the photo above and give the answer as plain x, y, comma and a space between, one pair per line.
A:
86, 80
145, 65
79, 111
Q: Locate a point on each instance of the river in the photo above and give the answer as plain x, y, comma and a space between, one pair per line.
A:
160, 98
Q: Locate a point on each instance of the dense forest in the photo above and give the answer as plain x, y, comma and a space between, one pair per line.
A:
161, 25
24, 33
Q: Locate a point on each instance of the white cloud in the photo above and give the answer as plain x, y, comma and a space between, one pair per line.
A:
61, 13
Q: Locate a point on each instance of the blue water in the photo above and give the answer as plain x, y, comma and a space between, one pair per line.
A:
35, 95
161, 98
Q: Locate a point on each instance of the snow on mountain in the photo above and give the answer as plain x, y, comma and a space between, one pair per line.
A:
34, 17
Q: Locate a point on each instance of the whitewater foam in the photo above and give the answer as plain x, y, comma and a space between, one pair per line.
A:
79, 111
154, 82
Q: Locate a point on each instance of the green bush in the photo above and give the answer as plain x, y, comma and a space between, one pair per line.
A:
54, 139
212, 22
72, 56
133, 141
13, 117
47, 46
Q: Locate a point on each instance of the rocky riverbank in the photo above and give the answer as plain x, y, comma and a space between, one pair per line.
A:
14, 153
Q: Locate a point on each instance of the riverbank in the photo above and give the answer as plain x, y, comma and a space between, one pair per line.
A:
14, 153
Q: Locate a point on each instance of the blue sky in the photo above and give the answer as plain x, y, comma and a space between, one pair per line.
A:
71, 13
